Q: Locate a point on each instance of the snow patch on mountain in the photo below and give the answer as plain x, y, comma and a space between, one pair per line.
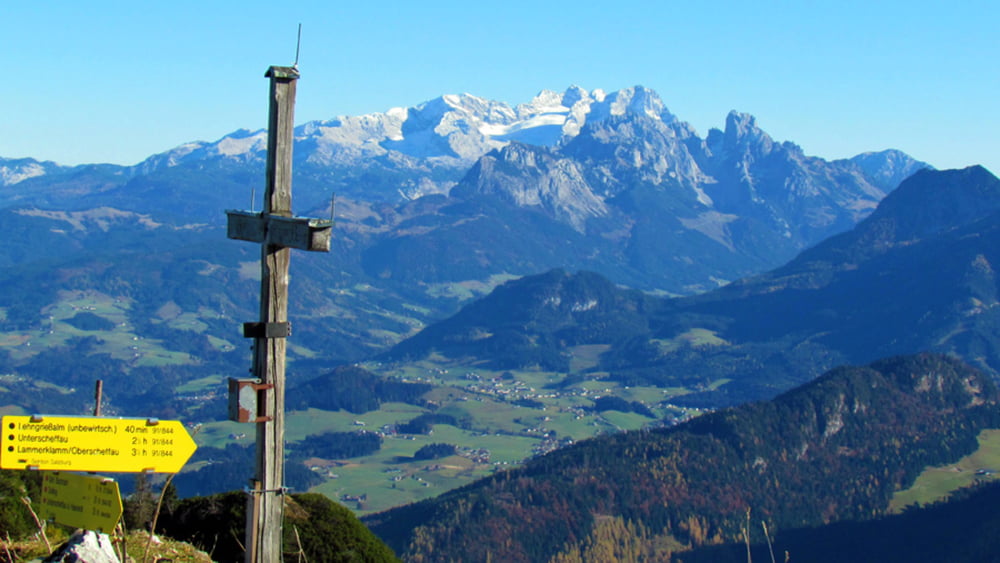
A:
10, 175
702, 197
505, 130
358, 130
637, 100
235, 146
176, 155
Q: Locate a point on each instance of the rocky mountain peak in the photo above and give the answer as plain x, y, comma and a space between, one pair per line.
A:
743, 134
529, 176
637, 100
574, 94
888, 168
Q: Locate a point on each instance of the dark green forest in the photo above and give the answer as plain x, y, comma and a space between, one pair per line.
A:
315, 528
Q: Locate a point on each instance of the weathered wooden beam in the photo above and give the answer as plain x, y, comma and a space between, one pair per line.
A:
280, 139
243, 225
266, 505
301, 233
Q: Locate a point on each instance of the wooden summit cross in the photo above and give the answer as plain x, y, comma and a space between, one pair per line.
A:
278, 232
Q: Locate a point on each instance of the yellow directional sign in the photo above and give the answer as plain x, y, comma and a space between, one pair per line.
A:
81, 501
116, 445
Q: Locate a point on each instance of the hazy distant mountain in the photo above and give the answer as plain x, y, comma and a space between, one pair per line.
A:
833, 450
13, 171
532, 322
887, 168
28, 182
918, 274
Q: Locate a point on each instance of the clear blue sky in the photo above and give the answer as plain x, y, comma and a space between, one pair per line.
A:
100, 81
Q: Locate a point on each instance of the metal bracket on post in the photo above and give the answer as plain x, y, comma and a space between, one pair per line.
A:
281, 491
267, 330
246, 397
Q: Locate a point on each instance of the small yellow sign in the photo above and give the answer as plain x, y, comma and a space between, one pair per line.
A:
81, 501
115, 445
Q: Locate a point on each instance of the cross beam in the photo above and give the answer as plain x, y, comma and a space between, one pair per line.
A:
291, 232
277, 231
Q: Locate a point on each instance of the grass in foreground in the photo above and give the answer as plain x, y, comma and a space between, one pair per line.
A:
161, 549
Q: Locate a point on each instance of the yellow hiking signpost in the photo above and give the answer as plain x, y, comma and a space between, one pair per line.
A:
114, 445
81, 501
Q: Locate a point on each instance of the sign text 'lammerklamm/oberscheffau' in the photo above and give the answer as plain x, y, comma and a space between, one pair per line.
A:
121, 445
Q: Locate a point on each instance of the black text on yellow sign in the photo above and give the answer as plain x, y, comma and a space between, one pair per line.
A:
119, 445
81, 501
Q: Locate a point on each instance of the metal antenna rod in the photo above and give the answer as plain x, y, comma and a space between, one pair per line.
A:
298, 43
333, 207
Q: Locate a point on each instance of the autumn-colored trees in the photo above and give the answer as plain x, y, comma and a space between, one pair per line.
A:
832, 450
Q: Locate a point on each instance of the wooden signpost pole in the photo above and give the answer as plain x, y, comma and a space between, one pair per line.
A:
278, 232
269, 353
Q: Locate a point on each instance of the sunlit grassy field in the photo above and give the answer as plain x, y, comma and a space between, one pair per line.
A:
936, 483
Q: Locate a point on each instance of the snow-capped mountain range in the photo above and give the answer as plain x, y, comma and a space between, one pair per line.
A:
448, 132
618, 169
461, 128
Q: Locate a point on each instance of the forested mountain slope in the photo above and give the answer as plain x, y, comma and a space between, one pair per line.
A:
832, 450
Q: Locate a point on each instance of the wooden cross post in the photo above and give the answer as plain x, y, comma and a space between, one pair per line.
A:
278, 232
